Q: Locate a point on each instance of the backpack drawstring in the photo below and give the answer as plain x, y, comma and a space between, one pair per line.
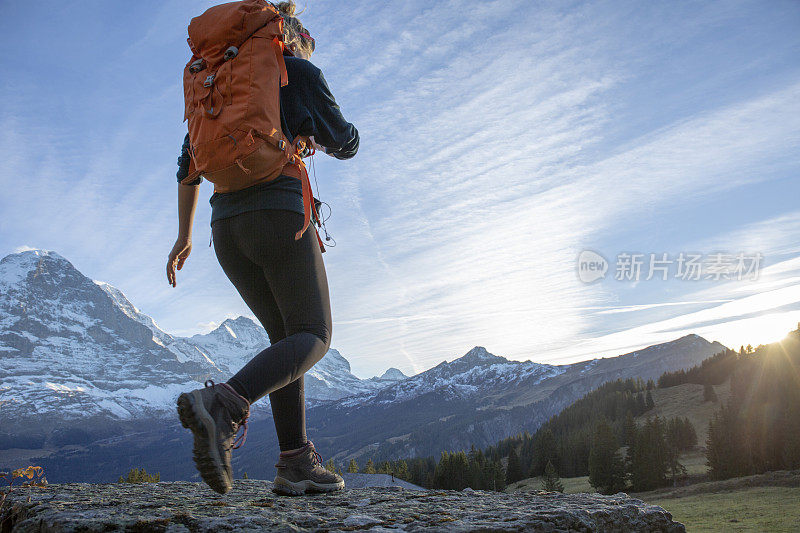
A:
244, 168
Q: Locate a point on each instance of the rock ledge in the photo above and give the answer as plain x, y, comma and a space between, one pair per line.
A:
182, 506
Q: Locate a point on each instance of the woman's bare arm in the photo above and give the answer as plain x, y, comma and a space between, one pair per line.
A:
187, 203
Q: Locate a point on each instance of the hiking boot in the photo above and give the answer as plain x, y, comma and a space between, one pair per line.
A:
214, 414
302, 471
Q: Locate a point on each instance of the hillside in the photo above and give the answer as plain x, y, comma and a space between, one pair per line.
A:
686, 400
735, 414
478, 397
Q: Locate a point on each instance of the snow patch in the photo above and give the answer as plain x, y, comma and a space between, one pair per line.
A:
64, 388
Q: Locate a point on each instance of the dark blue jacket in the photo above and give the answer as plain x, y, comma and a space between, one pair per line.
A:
307, 108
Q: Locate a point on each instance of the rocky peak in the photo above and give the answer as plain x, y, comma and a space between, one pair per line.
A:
479, 356
240, 324
333, 361
42, 271
392, 374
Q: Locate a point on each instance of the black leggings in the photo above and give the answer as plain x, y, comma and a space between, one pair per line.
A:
283, 282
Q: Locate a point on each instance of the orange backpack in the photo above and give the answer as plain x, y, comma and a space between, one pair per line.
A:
231, 90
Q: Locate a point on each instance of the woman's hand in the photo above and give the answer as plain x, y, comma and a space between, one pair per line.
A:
180, 252
187, 201
318, 147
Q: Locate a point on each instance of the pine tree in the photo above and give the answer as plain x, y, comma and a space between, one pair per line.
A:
352, 467
442, 478
628, 429
330, 466
791, 450
496, 479
402, 470
725, 455
675, 440
546, 449
709, 395
641, 405
370, 467
384, 468
550, 480
606, 469
245, 476
648, 401
514, 468
688, 435
648, 457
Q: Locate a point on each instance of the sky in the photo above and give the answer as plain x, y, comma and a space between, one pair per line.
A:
499, 141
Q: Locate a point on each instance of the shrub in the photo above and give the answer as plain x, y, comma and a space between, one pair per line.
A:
33, 474
136, 475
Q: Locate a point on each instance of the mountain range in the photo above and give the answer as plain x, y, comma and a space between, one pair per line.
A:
87, 377
80, 348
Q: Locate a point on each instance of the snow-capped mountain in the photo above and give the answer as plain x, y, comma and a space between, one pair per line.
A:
391, 374
471, 375
480, 398
77, 348
236, 341
183, 349
332, 379
233, 343
69, 347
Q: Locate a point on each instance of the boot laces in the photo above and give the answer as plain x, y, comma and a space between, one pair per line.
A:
236, 426
316, 458
240, 440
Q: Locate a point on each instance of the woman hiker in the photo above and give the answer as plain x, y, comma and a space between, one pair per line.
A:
282, 281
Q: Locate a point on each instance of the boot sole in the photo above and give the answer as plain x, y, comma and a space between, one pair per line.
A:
193, 416
298, 488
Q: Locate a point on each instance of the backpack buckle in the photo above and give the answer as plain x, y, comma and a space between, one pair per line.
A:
209, 80
230, 53
197, 66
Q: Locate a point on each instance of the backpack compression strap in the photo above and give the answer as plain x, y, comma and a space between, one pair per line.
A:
279, 48
279, 56
297, 169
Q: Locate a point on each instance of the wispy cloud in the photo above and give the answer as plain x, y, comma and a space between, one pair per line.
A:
498, 140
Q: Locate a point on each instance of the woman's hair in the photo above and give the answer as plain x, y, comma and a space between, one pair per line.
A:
295, 35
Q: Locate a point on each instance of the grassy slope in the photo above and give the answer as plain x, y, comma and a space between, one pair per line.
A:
765, 502
572, 485
753, 509
687, 401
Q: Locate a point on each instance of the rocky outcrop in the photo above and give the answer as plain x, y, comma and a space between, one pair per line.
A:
251, 506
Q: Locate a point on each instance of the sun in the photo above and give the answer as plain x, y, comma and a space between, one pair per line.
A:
762, 329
